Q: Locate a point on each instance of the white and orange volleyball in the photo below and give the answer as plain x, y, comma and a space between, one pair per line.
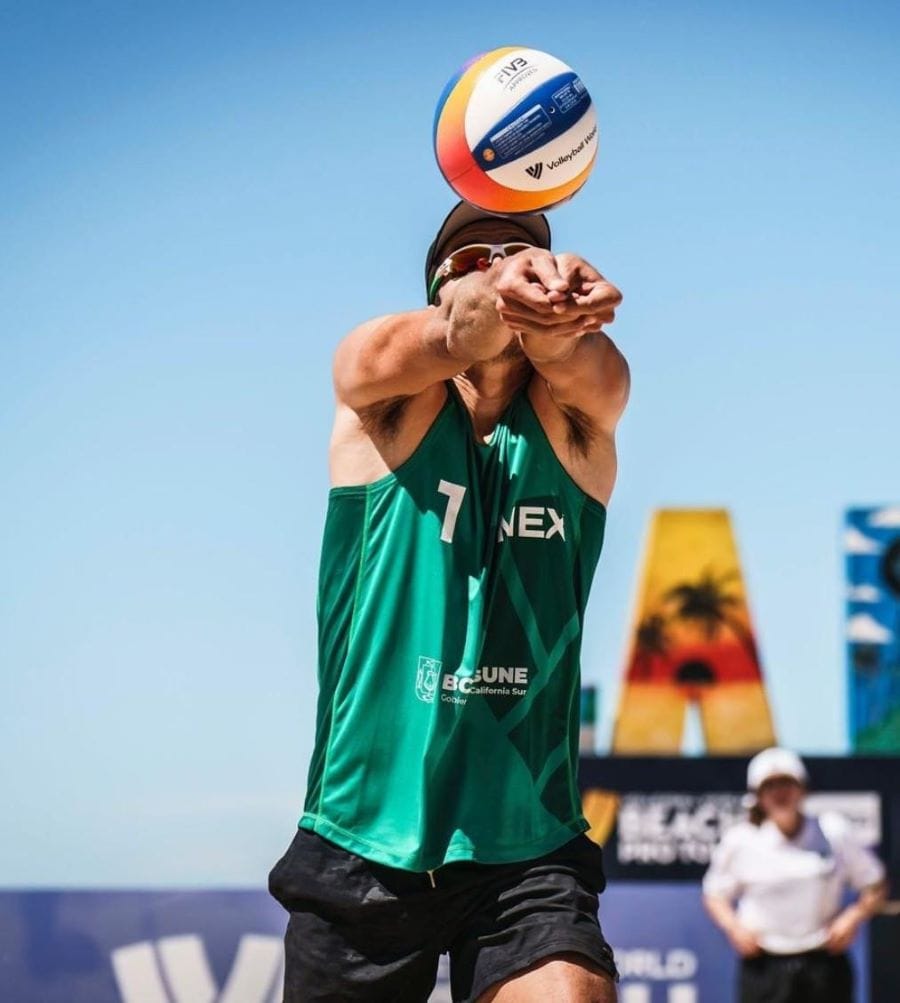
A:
515, 131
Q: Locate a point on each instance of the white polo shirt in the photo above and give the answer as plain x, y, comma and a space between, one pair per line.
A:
789, 890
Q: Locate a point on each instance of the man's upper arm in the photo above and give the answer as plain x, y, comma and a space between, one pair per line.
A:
593, 381
398, 355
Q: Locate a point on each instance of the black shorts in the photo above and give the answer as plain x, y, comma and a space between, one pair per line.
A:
813, 977
362, 931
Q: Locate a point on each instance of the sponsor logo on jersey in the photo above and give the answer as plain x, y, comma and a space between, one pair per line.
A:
535, 522
427, 678
489, 680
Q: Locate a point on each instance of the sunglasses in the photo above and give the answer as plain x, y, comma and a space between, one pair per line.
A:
470, 258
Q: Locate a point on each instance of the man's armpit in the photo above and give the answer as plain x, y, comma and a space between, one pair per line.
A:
581, 430
383, 418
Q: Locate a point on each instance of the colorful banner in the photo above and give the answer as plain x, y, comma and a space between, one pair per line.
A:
692, 642
872, 549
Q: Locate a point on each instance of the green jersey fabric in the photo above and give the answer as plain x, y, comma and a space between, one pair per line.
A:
451, 600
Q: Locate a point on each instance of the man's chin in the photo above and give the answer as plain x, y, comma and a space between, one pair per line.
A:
512, 353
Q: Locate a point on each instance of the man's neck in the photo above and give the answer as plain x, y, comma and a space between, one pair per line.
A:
488, 387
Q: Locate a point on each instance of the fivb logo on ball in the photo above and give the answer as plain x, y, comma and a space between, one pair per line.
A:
515, 131
511, 74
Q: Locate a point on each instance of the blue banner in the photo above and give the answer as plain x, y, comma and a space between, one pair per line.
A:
669, 951
872, 549
226, 947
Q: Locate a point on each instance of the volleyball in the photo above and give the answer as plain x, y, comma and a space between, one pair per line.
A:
515, 131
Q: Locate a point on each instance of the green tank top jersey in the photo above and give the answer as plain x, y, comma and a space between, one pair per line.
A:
451, 599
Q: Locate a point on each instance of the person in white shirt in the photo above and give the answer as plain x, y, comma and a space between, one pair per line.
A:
787, 872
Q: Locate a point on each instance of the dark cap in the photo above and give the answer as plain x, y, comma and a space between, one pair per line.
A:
462, 214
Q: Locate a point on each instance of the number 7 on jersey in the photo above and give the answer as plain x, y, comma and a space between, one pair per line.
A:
455, 494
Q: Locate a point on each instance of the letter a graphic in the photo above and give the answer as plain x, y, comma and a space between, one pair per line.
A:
692, 641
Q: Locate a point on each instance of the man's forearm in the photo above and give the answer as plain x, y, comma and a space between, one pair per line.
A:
404, 354
586, 372
474, 330
544, 350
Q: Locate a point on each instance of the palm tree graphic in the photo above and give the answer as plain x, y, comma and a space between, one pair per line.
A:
708, 604
651, 641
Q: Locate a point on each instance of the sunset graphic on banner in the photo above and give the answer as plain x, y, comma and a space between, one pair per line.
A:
692, 642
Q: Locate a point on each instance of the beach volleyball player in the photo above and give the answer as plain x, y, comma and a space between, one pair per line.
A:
472, 458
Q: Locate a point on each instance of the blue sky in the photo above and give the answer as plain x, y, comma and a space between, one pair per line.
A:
198, 201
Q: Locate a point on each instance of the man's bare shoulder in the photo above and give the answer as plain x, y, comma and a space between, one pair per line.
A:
348, 348
369, 442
